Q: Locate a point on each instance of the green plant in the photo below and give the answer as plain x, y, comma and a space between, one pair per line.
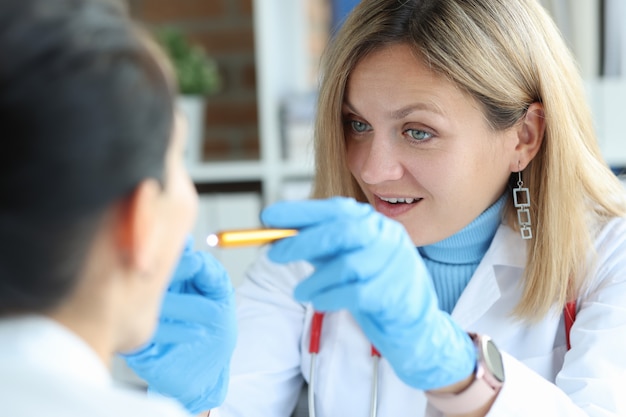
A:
197, 73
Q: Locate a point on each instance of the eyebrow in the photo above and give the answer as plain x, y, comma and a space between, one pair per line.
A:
406, 110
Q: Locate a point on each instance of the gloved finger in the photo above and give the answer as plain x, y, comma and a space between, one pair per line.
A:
371, 297
194, 309
212, 280
139, 351
328, 239
340, 297
189, 264
188, 247
392, 302
335, 273
348, 268
178, 333
299, 214
336, 285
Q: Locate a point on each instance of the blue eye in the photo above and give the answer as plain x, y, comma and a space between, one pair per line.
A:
419, 135
359, 127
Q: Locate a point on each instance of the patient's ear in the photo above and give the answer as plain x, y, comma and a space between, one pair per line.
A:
136, 226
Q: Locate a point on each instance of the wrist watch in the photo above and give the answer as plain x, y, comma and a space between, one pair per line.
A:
488, 379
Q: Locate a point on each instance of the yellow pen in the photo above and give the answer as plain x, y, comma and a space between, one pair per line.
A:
247, 237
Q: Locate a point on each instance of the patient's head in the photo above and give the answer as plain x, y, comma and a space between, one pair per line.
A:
93, 186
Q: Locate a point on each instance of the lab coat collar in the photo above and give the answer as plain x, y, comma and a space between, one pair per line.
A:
504, 261
50, 347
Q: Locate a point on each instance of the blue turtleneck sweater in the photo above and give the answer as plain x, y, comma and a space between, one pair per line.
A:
452, 261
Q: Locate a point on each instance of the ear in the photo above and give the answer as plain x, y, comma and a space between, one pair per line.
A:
137, 224
530, 132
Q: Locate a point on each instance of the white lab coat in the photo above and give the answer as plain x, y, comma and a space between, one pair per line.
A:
46, 370
542, 377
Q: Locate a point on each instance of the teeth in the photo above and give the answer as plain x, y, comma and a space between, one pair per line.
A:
399, 200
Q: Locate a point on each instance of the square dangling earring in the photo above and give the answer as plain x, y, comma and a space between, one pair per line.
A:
521, 199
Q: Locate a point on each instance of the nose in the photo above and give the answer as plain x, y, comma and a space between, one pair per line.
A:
381, 160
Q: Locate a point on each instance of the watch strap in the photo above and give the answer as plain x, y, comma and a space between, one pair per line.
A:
483, 388
477, 394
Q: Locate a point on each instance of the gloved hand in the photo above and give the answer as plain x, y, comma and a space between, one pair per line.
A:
366, 263
189, 356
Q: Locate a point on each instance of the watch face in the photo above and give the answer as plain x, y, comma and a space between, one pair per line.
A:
493, 360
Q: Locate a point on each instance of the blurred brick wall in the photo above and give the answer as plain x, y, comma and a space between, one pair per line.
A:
320, 21
225, 29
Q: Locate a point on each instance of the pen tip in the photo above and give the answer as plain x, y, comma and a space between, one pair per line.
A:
212, 240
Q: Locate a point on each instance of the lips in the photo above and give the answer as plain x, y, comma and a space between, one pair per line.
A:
395, 206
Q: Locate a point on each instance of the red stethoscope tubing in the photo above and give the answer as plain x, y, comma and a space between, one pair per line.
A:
316, 334
314, 347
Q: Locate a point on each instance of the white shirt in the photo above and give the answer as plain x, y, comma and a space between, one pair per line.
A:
542, 377
46, 370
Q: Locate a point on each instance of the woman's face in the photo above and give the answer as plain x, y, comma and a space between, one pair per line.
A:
420, 148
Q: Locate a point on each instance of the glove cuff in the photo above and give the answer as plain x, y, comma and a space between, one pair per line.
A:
487, 381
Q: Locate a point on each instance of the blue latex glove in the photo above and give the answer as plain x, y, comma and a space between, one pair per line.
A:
366, 263
189, 356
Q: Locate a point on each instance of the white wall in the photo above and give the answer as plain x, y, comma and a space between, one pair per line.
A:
607, 98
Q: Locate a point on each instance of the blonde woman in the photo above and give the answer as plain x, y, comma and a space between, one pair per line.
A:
470, 204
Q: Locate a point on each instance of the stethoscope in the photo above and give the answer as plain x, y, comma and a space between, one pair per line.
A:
314, 348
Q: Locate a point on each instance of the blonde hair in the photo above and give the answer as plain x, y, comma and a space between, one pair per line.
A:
506, 54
